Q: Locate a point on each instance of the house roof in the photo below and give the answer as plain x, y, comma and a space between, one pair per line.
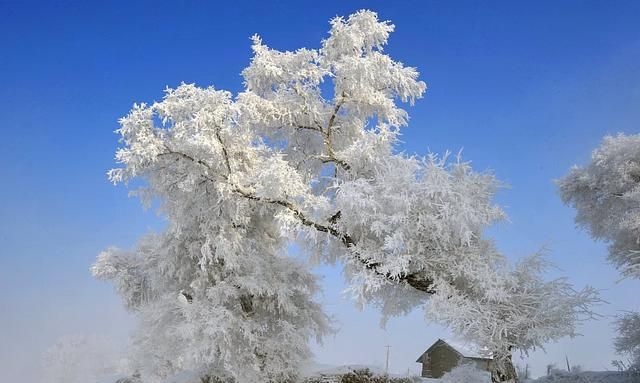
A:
465, 349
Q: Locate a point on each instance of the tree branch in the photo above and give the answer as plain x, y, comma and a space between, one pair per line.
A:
224, 152
185, 156
336, 109
414, 279
328, 140
326, 134
315, 128
327, 159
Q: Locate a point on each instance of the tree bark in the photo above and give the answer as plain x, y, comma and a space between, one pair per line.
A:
504, 371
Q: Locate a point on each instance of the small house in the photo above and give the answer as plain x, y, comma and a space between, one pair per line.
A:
443, 356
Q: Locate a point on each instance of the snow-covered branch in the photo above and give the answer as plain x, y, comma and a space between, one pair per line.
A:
238, 178
606, 196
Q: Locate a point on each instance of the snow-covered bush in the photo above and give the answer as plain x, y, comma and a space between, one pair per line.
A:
466, 373
366, 376
214, 379
318, 379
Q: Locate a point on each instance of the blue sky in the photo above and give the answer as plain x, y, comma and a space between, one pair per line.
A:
526, 88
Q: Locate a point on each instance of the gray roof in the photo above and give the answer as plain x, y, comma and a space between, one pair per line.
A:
465, 349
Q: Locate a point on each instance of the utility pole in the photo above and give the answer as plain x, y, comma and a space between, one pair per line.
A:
386, 369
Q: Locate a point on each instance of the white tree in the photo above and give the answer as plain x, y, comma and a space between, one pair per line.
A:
241, 311
628, 341
289, 159
606, 195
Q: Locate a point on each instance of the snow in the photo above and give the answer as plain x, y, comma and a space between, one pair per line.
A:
468, 349
315, 369
589, 377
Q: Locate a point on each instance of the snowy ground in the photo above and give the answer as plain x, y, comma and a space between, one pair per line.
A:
590, 377
557, 377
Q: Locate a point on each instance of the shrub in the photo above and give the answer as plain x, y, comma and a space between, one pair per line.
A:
366, 376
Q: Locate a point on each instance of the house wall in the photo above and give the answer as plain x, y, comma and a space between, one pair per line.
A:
442, 358
483, 364
426, 367
439, 360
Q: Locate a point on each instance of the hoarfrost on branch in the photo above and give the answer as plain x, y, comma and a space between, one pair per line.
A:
239, 178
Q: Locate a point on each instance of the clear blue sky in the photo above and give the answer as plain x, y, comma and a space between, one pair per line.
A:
526, 88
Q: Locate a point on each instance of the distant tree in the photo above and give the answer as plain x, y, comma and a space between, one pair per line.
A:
550, 367
80, 359
606, 196
523, 371
239, 178
628, 341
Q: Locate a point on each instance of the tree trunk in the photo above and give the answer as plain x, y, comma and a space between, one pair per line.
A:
503, 370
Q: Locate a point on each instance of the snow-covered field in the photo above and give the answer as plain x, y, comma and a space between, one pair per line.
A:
582, 377
558, 377
590, 377
462, 374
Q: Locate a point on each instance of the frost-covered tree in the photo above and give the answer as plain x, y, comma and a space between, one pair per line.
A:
628, 341
606, 195
308, 153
